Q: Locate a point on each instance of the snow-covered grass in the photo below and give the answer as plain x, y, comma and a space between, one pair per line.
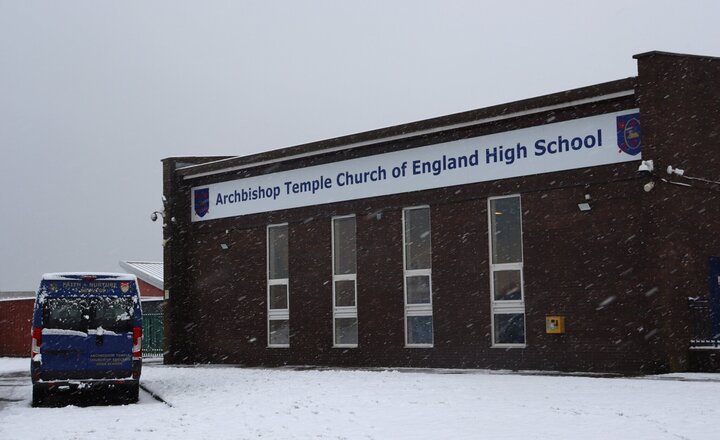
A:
239, 403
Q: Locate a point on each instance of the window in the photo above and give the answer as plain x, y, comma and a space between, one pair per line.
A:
80, 314
417, 277
66, 314
113, 314
506, 272
344, 260
278, 295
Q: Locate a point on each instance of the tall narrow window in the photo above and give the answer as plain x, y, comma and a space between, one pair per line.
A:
345, 321
418, 277
506, 271
277, 286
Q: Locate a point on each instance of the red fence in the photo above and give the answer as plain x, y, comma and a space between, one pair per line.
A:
15, 322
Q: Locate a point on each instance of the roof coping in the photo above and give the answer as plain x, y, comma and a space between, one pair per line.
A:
149, 271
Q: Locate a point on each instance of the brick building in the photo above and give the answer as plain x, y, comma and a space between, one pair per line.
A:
518, 236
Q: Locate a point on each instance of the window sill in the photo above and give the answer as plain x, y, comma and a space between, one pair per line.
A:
509, 346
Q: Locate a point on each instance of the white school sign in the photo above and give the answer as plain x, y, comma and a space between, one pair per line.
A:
578, 143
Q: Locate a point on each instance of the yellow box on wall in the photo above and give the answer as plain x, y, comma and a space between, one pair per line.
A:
555, 324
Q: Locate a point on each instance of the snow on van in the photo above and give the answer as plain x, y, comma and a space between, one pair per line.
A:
86, 334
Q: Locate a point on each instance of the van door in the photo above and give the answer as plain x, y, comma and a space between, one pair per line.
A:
64, 336
110, 337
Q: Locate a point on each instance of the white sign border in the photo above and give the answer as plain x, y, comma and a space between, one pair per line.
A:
496, 156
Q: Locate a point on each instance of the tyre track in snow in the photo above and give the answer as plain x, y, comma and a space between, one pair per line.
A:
154, 395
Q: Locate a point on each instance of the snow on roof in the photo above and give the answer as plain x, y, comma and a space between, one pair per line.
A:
10, 296
149, 271
72, 275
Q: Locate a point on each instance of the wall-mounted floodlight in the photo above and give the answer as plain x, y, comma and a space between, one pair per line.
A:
585, 206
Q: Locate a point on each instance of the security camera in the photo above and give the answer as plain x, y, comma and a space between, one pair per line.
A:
649, 186
153, 216
646, 167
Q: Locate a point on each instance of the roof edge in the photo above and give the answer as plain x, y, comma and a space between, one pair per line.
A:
442, 123
143, 275
672, 54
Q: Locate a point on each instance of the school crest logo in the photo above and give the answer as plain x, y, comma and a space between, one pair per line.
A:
628, 134
124, 286
202, 201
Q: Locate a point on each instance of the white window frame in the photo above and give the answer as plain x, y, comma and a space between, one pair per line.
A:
343, 311
276, 314
503, 307
417, 309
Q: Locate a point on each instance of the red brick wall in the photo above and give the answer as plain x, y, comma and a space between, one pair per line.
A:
148, 290
15, 322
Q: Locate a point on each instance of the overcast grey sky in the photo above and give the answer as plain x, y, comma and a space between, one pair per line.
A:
93, 94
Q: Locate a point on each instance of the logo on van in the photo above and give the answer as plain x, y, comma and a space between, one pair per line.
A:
202, 201
124, 286
628, 133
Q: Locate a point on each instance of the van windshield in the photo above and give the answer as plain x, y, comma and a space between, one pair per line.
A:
111, 313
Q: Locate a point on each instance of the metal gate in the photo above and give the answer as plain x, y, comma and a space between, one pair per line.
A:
152, 341
701, 331
705, 311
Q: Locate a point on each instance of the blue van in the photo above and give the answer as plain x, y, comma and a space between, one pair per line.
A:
86, 334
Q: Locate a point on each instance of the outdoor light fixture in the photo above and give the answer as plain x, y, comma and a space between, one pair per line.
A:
646, 166
585, 206
154, 215
224, 247
676, 171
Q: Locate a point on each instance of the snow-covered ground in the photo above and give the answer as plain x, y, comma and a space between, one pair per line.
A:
240, 403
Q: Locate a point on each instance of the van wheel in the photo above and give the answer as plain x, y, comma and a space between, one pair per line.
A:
131, 394
38, 395
135, 393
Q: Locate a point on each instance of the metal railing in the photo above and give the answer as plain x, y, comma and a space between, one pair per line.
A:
701, 322
152, 334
